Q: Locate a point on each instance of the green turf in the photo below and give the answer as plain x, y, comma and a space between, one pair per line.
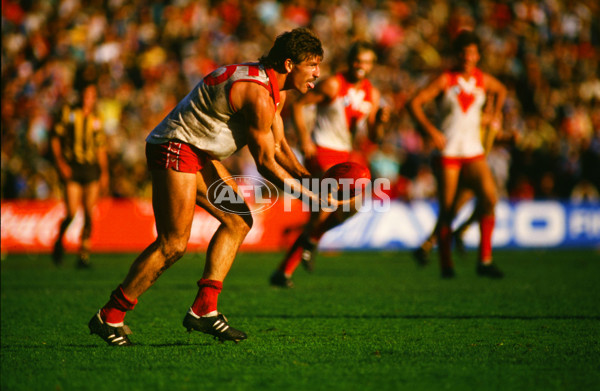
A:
361, 321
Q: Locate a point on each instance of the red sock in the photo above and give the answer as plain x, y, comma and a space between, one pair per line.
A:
486, 228
292, 260
206, 299
294, 256
114, 310
445, 246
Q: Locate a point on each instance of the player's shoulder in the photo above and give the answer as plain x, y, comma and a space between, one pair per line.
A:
249, 95
333, 80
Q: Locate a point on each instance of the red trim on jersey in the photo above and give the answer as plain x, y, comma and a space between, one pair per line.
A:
274, 86
465, 99
453, 75
252, 71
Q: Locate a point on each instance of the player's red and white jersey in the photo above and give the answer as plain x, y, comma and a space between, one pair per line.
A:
461, 108
206, 118
337, 120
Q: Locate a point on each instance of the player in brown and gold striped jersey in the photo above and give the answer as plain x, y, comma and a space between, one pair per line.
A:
78, 147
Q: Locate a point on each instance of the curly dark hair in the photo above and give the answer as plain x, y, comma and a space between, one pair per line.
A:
359, 47
464, 39
297, 45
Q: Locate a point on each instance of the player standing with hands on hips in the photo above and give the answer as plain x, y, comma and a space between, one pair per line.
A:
234, 106
463, 91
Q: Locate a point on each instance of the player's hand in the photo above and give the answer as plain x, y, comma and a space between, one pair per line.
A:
486, 118
383, 115
64, 171
496, 122
309, 149
331, 203
438, 139
104, 183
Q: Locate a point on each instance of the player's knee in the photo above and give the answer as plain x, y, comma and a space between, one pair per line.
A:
86, 232
173, 249
489, 203
241, 224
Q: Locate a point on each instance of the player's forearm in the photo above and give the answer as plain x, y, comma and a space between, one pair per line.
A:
283, 179
418, 114
287, 159
300, 123
500, 98
103, 161
376, 131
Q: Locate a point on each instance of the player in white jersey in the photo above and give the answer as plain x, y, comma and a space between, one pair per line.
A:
233, 106
344, 101
463, 93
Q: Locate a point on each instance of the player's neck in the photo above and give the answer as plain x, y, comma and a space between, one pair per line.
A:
467, 71
353, 80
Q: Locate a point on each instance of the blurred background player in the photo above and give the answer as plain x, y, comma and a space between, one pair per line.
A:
344, 101
78, 147
463, 91
464, 194
233, 106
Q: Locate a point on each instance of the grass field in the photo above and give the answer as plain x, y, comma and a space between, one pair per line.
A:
361, 321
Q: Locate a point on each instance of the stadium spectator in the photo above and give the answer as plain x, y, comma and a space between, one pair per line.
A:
233, 106
545, 51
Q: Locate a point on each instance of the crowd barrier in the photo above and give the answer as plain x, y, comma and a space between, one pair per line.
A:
127, 225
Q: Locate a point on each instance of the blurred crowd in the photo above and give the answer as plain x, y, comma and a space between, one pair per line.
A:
145, 56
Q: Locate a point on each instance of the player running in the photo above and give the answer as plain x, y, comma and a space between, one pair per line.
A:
463, 92
344, 101
233, 106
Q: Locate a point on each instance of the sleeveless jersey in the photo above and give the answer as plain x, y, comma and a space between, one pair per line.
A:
336, 121
80, 135
461, 107
206, 118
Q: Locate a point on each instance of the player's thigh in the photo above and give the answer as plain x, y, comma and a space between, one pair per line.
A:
463, 195
480, 179
91, 192
173, 200
448, 185
73, 194
217, 193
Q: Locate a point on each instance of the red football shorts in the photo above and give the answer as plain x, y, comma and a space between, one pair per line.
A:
458, 162
175, 155
324, 158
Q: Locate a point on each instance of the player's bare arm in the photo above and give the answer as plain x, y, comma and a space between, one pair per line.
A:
283, 152
103, 162
260, 113
61, 164
426, 95
495, 87
323, 92
378, 117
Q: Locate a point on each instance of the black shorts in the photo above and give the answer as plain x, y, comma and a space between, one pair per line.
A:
85, 173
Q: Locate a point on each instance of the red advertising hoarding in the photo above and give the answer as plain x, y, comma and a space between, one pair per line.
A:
127, 225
